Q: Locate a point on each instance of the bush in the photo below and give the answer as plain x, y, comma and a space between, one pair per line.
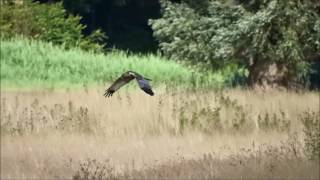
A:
48, 22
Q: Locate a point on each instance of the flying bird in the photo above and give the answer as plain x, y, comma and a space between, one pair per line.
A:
126, 78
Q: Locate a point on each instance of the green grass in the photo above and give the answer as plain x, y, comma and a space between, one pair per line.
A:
31, 63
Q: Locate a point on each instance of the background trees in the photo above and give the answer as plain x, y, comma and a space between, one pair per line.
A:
274, 39
48, 22
124, 21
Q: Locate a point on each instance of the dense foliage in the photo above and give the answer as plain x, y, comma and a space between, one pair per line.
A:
257, 35
48, 22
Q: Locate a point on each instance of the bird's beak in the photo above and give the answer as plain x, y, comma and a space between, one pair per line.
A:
148, 79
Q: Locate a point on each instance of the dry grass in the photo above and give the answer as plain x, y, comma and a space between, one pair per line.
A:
284, 161
52, 134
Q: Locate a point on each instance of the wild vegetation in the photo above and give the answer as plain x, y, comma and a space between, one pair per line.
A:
32, 63
277, 43
176, 134
275, 40
47, 22
56, 124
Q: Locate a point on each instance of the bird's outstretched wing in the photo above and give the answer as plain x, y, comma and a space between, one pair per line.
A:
121, 81
144, 85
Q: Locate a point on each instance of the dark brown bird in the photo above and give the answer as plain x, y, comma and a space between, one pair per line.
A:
126, 78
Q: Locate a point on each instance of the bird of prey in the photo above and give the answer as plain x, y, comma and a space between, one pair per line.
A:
126, 78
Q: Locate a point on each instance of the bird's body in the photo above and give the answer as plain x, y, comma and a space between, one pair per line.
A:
126, 78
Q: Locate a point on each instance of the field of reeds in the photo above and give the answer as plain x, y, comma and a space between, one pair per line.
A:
177, 134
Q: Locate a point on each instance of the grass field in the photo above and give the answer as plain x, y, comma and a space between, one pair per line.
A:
176, 134
29, 63
56, 124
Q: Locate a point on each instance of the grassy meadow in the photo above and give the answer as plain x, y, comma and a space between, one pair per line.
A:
80, 134
56, 124
29, 63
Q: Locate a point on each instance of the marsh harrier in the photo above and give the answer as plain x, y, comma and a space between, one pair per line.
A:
126, 78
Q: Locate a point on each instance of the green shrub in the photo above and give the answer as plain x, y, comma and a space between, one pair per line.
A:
48, 22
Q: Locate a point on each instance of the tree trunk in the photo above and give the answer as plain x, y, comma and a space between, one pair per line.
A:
268, 75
